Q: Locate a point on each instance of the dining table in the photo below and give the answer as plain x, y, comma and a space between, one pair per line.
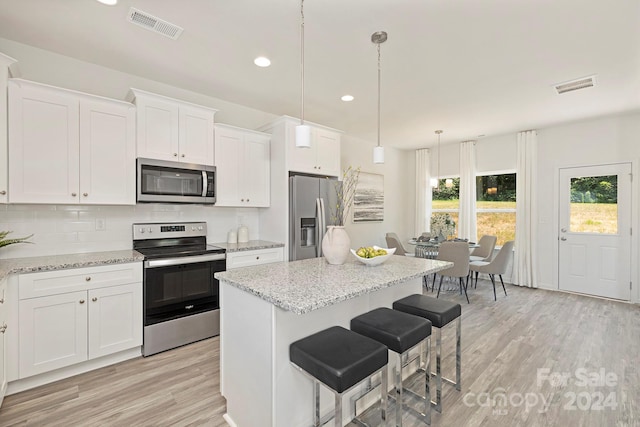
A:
429, 248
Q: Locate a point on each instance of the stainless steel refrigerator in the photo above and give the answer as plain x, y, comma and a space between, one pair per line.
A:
310, 199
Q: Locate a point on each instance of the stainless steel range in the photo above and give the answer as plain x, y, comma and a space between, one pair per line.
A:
181, 296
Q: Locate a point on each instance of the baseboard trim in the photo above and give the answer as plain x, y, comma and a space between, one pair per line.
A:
69, 371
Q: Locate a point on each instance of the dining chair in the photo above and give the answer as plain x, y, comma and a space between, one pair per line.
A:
458, 253
393, 241
498, 266
484, 251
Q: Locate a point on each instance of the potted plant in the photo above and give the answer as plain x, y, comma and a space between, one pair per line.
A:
336, 242
6, 242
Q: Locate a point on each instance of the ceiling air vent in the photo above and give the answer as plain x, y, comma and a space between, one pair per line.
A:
154, 23
575, 85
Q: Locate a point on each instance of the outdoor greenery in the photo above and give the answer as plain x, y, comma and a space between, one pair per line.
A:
594, 189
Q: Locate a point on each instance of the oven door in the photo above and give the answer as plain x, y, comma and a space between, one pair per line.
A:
178, 287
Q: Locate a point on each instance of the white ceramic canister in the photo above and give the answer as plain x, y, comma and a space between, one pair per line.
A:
243, 234
232, 237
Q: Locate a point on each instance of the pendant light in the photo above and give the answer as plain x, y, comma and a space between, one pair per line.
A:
303, 132
378, 38
435, 182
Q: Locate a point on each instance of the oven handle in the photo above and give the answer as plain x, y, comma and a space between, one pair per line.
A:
183, 260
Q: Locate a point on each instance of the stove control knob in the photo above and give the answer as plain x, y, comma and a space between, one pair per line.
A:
150, 230
142, 230
200, 228
193, 229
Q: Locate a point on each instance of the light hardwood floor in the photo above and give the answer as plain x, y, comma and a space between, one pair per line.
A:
506, 345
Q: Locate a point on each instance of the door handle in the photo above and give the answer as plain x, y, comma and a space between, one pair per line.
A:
563, 238
564, 230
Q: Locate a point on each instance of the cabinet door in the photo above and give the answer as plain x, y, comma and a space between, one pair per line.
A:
3, 339
196, 135
107, 153
115, 319
228, 153
157, 129
53, 332
328, 152
301, 159
255, 171
43, 145
257, 257
5, 62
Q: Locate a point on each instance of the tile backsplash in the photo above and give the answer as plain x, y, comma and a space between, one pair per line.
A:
64, 229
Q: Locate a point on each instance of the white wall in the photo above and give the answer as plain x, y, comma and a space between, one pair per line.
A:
399, 192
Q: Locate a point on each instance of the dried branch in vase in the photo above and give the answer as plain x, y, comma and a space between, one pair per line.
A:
345, 191
6, 242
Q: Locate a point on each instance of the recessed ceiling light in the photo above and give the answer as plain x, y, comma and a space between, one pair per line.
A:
347, 98
261, 61
108, 2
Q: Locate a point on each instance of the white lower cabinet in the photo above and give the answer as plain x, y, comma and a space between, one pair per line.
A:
256, 257
64, 320
3, 339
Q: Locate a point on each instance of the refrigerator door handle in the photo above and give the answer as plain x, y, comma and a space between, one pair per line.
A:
323, 224
319, 227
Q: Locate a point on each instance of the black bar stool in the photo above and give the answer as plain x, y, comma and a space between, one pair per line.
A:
340, 359
440, 313
400, 332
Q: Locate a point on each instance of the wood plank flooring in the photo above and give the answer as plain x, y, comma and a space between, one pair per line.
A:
506, 345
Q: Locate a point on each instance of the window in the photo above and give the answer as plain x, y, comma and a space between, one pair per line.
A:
594, 205
446, 198
496, 206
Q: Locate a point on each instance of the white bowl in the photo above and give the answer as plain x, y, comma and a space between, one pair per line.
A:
375, 260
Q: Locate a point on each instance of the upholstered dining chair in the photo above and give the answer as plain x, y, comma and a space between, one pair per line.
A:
498, 266
458, 254
393, 241
484, 251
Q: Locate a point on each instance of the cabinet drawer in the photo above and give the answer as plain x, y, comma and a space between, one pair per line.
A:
257, 257
33, 285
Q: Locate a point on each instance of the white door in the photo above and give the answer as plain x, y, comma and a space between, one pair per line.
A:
43, 144
328, 152
256, 165
107, 153
196, 135
157, 128
115, 319
595, 230
53, 332
228, 151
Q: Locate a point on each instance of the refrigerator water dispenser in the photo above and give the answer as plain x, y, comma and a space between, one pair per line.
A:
307, 231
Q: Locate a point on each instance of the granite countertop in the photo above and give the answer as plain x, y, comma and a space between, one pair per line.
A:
59, 262
251, 245
310, 284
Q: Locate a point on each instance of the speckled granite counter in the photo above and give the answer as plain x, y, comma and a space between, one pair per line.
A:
303, 286
59, 262
251, 245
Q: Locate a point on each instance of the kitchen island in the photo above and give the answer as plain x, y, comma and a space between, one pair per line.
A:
266, 308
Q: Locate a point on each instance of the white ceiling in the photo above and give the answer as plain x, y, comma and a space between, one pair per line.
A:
468, 67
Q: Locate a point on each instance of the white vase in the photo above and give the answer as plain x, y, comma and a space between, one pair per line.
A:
336, 245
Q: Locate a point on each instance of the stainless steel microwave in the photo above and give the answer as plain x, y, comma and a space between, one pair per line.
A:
161, 181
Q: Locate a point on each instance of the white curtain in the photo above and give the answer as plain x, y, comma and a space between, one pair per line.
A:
467, 224
525, 260
423, 191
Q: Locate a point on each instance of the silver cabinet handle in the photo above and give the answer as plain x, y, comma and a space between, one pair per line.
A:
242, 200
3, 328
175, 154
94, 299
3, 192
81, 301
563, 238
88, 278
73, 194
85, 194
1, 300
247, 200
182, 155
257, 257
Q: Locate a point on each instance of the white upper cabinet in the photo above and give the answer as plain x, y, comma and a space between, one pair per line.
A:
169, 129
67, 147
242, 167
5, 63
323, 158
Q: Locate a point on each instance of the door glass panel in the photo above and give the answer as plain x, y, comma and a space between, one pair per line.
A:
594, 205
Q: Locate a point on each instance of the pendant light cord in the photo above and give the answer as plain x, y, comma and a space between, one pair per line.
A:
302, 62
378, 95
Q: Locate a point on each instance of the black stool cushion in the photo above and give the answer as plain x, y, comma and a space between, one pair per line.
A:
440, 312
398, 331
338, 357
